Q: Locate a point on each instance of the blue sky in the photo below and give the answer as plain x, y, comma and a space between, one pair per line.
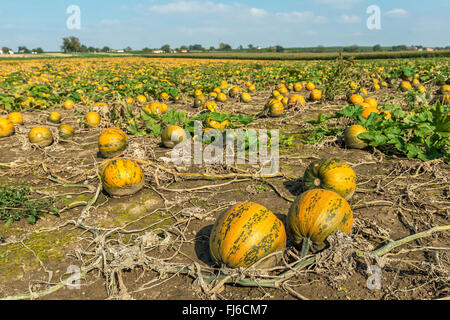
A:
289, 23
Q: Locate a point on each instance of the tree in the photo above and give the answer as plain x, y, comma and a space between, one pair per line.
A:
400, 48
320, 49
92, 49
38, 50
83, 48
377, 47
23, 49
353, 48
106, 49
5, 50
196, 47
146, 50
128, 49
224, 47
251, 47
166, 48
279, 49
212, 48
71, 44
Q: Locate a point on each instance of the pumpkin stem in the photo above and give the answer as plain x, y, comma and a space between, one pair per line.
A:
317, 182
305, 247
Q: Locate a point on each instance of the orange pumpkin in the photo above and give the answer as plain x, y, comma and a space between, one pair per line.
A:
141, 99
172, 136
315, 95
69, 104
310, 86
367, 110
356, 99
112, 142
405, 86
372, 102
298, 87
245, 234
331, 174
210, 106
6, 128
245, 97
351, 137
296, 100
316, 214
15, 118
41, 136
199, 101
221, 97
92, 119
235, 92
122, 177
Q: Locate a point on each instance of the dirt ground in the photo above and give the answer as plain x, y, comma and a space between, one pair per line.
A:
144, 241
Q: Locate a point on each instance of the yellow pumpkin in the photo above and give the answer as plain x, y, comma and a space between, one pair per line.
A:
210, 105
199, 101
65, 131
310, 86
235, 92
6, 128
69, 104
298, 87
356, 99
54, 117
245, 97
92, 119
112, 142
276, 109
405, 86
172, 136
245, 234
315, 215
221, 97
122, 177
164, 96
351, 137
141, 99
40, 136
368, 110
15, 118
372, 102
331, 174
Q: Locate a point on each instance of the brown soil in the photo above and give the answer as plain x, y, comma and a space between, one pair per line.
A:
395, 198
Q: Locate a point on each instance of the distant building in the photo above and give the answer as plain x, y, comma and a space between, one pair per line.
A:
430, 49
157, 51
118, 50
9, 52
184, 50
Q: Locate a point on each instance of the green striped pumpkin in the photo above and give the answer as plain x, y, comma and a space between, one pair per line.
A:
245, 234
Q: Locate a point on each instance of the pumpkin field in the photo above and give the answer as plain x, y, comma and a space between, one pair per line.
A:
358, 208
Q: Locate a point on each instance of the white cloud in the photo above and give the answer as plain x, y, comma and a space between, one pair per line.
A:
349, 19
339, 4
189, 7
260, 13
109, 22
397, 13
299, 17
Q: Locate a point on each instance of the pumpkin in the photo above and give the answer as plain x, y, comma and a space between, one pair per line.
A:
445, 89
40, 136
68, 104
316, 214
122, 177
315, 95
15, 118
372, 102
298, 87
223, 85
6, 128
112, 142
221, 97
92, 119
296, 100
351, 137
275, 93
65, 131
164, 96
252, 88
354, 85
276, 109
367, 110
245, 234
156, 107
310, 86
283, 91
54, 117
129, 100
199, 101
235, 92
141, 99
331, 174
376, 87
217, 90
386, 113
198, 92
405, 86
173, 135
356, 99
245, 97
210, 105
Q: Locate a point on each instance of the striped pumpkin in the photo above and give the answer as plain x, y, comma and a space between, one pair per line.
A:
245, 234
122, 177
112, 142
40, 136
331, 174
351, 137
172, 136
315, 215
